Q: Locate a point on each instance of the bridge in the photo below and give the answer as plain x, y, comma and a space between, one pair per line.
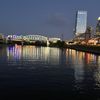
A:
30, 39
27, 38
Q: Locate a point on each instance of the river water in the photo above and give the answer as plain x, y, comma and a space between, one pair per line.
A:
52, 73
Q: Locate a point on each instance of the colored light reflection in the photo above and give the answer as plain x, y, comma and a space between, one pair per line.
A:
79, 57
32, 54
76, 60
14, 52
82, 61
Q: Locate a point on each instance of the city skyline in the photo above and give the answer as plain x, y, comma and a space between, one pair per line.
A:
49, 18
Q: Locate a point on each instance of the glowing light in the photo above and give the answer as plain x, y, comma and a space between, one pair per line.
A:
98, 18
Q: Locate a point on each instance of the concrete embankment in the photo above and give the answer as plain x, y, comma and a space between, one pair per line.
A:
86, 48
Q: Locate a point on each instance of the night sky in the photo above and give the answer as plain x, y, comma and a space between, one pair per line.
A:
46, 17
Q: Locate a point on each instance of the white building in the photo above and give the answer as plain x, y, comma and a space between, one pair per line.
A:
54, 40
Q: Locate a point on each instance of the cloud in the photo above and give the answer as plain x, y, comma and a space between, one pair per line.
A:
57, 20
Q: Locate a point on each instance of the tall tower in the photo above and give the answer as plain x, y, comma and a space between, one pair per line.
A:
98, 28
81, 22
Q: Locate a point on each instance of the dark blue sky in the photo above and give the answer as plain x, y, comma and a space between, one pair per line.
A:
47, 17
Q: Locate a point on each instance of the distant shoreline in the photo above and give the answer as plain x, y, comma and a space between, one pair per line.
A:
79, 47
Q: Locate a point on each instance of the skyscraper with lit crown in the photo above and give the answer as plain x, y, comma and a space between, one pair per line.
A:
81, 22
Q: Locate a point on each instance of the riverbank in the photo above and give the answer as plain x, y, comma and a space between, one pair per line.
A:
85, 48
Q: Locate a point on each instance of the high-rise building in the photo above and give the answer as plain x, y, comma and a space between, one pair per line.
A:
98, 28
81, 22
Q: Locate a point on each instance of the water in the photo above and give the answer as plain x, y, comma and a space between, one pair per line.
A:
51, 73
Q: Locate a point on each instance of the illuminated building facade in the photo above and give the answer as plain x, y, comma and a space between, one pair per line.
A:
98, 28
81, 22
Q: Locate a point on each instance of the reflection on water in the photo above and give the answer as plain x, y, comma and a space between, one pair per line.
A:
86, 68
77, 60
32, 53
61, 68
78, 57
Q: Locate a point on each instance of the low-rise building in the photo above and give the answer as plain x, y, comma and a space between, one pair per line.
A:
54, 40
